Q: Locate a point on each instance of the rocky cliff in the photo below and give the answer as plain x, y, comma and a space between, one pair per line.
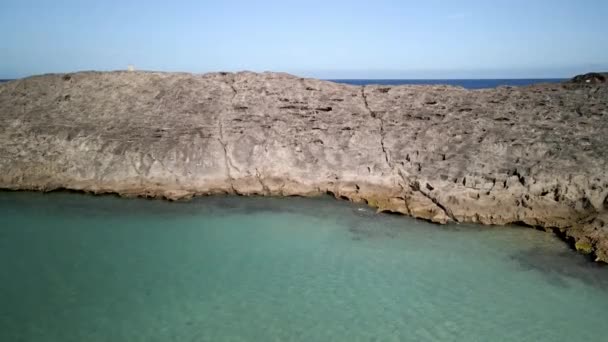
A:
534, 155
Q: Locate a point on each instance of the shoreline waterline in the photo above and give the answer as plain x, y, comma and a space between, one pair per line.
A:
564, 238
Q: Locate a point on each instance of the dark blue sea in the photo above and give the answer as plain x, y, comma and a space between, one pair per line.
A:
466, 83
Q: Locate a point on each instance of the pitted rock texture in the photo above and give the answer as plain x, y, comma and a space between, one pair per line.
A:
535, 155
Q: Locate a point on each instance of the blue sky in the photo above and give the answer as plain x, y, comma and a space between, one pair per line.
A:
326, 39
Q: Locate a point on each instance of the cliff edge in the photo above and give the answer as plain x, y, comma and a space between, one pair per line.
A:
535, 155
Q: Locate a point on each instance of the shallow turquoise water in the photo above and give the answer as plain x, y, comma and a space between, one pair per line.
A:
82, 268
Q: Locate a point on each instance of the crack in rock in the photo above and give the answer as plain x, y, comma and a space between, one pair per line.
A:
415, 186
259, 177
227, 159
385, 151
373, 115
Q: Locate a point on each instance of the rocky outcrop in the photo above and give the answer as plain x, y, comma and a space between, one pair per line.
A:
591, 78
534, 155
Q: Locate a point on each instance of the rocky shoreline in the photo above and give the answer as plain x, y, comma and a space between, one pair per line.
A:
535, 155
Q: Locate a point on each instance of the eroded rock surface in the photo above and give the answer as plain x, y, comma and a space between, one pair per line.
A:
536, 155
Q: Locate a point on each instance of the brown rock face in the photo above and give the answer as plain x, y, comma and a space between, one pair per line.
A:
536, 155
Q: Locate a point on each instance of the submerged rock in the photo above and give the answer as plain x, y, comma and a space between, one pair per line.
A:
535, 155
584, 247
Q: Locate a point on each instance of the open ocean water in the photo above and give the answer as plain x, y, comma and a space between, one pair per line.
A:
465, 83
79, 268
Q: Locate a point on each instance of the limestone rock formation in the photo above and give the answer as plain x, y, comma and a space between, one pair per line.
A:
591, 78
536, 155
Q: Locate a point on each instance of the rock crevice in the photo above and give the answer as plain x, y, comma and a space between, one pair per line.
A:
381, 123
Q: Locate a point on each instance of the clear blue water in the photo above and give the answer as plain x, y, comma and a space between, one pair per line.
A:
81, 268
466, 83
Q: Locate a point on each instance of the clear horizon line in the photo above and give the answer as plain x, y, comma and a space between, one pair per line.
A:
375, 74
444, 79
